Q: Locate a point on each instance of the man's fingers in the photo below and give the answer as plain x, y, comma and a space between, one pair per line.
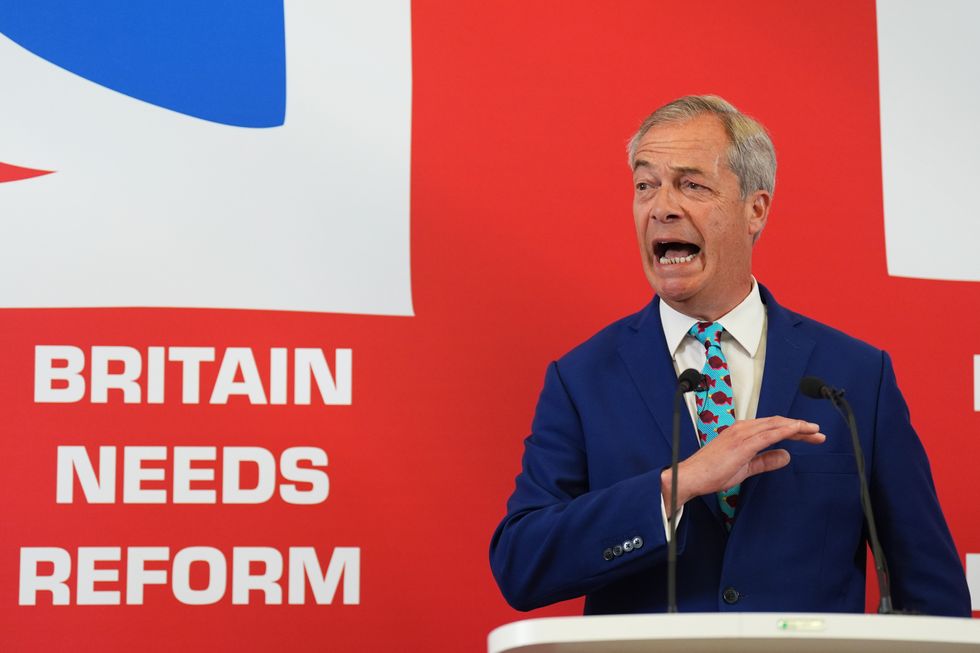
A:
776, 426
796, 429
767, 461
735, 453
812, 438
777, 421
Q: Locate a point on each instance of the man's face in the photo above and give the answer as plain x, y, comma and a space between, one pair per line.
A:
694, 229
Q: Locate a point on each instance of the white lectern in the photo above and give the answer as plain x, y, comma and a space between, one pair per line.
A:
736, 632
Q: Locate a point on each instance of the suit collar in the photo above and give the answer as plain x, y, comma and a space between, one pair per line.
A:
787, 354
645, 352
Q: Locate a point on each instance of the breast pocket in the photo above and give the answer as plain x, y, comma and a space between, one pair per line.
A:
827, 485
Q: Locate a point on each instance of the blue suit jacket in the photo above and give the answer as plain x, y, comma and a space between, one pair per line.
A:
591, 481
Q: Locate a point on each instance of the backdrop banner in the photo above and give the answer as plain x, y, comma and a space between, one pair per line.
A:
280, 280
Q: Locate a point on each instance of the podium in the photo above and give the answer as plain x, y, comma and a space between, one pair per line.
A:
737, 632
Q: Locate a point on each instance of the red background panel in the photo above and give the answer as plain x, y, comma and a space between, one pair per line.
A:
522, 246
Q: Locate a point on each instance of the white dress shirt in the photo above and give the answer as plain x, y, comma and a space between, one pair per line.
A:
743, 343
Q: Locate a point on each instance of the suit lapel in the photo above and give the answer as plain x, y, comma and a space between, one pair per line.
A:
644, 352
787, 354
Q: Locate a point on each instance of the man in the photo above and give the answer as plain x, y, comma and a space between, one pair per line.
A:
771, 516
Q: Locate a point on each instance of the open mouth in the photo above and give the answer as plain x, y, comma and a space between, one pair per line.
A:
671, 252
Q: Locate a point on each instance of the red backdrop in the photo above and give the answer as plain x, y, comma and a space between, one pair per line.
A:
522, 246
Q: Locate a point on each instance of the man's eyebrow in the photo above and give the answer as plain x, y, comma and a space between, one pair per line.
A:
684, 170
687, 170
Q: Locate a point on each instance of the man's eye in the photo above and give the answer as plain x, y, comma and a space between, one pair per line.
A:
642, 185
694, 186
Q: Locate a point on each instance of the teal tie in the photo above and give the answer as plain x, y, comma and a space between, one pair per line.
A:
716, 403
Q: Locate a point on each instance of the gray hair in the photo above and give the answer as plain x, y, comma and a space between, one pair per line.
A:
751, 155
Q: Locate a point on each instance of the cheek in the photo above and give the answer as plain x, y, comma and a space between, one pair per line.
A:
639, 223
721, 229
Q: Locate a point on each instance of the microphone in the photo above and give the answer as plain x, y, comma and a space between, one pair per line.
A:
690, 379
815, 388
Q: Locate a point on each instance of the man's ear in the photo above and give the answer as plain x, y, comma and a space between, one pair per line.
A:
757, 207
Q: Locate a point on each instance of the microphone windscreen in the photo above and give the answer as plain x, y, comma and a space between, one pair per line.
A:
689, 380
813, 387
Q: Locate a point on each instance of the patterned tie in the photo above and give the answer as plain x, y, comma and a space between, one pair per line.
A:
716, 404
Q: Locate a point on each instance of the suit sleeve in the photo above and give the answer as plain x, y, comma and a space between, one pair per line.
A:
554, 542
926, 574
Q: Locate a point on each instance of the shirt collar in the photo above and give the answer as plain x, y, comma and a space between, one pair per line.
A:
744, 322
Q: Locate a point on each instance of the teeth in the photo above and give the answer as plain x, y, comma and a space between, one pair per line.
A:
684, 259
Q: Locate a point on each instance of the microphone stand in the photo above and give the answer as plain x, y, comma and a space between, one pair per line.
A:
881, 566
672, 542
688, 380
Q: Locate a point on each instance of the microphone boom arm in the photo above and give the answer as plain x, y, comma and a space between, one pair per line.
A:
881, 566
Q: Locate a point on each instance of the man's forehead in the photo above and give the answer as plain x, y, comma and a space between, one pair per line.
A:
698, 143
703, 137
675, 146
687, 156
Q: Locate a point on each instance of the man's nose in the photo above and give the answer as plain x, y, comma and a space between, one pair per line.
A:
665, 205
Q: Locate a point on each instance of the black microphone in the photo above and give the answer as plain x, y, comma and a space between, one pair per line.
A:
814, 387
690, 379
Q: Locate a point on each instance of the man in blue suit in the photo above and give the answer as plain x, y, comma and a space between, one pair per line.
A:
771, 517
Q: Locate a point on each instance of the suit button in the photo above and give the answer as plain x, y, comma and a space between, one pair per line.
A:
628, 546
730, 595
617, 550
637, 542
607, 554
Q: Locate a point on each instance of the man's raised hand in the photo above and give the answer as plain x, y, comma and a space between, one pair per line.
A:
737, 453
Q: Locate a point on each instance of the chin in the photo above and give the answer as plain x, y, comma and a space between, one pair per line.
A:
672, 285
674, 290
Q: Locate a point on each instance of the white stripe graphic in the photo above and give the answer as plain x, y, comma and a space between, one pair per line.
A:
930, 137
148, 207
